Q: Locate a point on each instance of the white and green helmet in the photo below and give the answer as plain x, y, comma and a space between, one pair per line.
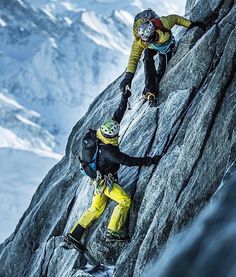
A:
110, 128
146, 30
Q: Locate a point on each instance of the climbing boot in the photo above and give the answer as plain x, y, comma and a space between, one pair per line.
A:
77, 231
152, 101
117, 236
74, 237
143, 98
77, 244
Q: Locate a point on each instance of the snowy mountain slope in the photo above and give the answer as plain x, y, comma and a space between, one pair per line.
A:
21, 172
21, 128
26, 153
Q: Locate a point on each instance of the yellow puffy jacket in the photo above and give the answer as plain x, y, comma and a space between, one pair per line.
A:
138, 45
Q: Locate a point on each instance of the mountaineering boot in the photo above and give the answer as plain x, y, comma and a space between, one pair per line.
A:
143, 97
152, 101
69, 239
74, 236
117, 236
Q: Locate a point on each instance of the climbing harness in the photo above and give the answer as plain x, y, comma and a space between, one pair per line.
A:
109, 181
101, 182
163, 48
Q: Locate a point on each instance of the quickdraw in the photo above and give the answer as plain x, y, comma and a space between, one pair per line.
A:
101, 182
109, 181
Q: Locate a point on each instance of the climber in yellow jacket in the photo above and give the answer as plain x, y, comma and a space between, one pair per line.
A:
153, 34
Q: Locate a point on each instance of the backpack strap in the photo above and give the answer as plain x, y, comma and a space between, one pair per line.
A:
95, 155
159, 25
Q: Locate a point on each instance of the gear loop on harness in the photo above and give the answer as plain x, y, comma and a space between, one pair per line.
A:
103, 181
109, 181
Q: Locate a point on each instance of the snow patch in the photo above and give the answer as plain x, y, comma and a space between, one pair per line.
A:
9, 101
53, 42
48, 12
10, 139
27, 121
69, 6
2, 23
125, 17
91, 20
21, 3
68, 20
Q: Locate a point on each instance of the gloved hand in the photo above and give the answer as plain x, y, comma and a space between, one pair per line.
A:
152, 160
197, 24
126, 94
126, 81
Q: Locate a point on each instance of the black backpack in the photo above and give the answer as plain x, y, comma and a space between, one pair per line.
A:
89, 152
147, 14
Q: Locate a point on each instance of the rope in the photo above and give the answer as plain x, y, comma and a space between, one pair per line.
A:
166, 61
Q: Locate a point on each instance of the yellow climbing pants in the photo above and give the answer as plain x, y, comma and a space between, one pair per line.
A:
99, 202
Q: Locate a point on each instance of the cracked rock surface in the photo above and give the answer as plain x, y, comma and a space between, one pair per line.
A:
194, 129
208, 247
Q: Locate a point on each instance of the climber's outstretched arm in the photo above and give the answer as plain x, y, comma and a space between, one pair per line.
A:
120, 111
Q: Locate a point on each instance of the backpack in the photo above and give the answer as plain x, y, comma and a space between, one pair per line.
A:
89, 152
145, 15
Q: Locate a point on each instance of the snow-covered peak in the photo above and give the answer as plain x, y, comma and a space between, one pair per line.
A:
24, 129
107, 7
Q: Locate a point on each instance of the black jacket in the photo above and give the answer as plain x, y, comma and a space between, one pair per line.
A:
109, 156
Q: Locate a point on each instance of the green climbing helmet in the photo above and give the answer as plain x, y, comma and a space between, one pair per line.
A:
110, 129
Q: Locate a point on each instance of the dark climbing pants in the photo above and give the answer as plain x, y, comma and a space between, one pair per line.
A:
153, 76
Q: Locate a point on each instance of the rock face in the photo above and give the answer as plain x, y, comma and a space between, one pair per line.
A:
193, 128
202, 250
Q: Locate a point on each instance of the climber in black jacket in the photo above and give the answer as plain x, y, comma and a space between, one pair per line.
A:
109, 159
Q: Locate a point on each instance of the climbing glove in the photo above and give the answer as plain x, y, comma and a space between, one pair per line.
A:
126, 81
152, 160
197, 24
